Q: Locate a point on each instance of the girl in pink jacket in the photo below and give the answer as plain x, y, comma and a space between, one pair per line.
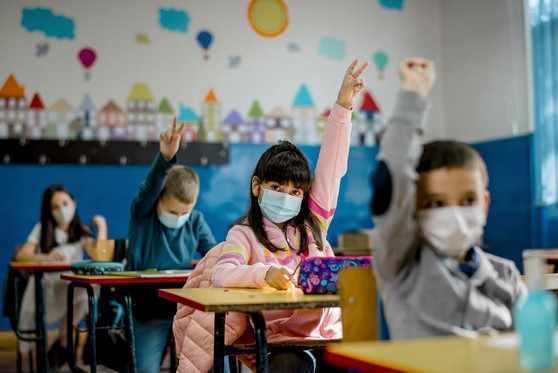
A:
288, 218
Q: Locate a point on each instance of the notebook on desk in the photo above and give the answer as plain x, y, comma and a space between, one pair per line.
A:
152, 273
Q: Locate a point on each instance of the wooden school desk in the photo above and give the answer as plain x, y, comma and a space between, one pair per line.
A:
251, 302
40, 335
431, 355
123, 282
549, 255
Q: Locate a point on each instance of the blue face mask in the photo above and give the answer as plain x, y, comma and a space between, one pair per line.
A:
173, 221
279, 207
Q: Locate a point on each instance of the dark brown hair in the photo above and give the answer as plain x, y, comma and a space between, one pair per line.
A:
451, 154
283, 163
76, 229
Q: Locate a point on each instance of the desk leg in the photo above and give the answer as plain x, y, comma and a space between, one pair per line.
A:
92, 331
260, 332
42, 346
219, 343
130, 331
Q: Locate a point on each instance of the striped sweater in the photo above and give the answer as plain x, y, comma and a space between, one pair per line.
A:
244, 261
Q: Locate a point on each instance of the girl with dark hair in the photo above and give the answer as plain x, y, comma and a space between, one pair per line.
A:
288, 217
60, 236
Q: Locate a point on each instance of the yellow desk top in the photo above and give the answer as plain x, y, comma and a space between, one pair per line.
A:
432, 355
43, 265
247, 300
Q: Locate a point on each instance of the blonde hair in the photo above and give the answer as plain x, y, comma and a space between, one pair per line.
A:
182, 183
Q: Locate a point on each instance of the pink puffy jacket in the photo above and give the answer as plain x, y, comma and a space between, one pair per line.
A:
193, 329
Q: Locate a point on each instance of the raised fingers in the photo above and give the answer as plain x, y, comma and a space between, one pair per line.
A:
352, 67
361, 69
180, 129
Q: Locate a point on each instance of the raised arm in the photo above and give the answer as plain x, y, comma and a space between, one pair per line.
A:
94, 247
334, 151
394, 202
146, 199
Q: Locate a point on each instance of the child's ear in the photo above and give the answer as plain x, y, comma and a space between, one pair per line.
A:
255, 186
486, 202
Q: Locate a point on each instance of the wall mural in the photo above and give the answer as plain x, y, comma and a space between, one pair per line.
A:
28, 128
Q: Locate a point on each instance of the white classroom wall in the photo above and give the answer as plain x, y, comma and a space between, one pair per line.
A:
172, 64
478, 46
485, 69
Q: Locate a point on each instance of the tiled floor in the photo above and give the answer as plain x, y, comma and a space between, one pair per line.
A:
8, 355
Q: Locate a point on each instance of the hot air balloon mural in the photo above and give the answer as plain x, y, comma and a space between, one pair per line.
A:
205, 38
380, 60
87, 57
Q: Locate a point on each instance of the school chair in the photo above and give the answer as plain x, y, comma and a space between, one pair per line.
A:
361, 308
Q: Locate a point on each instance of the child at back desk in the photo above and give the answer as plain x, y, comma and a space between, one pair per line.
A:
60, 236
429, 206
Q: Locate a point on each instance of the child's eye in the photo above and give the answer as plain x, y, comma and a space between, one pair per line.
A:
434, 204
276, 187
297, 193
469, 201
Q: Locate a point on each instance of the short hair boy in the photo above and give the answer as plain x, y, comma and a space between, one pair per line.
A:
429, 206
165, 232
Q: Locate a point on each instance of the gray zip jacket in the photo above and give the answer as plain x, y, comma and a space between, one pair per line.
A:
424, 293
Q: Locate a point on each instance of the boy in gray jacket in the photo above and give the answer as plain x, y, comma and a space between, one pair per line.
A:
429, 206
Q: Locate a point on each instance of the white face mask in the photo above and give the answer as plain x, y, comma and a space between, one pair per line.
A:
173, 221
65, 214
452, 230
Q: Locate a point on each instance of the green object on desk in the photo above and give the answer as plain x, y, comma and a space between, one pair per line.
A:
149, 273
96, 267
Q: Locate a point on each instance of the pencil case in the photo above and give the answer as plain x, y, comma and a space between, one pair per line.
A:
93, 267
319, 275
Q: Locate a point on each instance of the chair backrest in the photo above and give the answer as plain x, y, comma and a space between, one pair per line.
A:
113, 250
359, 304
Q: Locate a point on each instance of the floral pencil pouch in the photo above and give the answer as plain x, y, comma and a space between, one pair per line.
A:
319, 275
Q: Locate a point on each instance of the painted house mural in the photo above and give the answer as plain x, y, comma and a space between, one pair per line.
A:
234, 128
304, 117
143, 119
256, 123
192, 127
278, 125
211, 113
37, 118
88, 117
13, 109
367, 125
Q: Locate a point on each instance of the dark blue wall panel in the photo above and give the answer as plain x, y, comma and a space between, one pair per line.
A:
514, 222
108, 190
511, 226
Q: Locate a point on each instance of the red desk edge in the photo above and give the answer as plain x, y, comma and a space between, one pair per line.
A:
115, 280
347, 362
52, 266
178, 299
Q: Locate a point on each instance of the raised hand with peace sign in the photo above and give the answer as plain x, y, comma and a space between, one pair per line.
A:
352, 85
170, 140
